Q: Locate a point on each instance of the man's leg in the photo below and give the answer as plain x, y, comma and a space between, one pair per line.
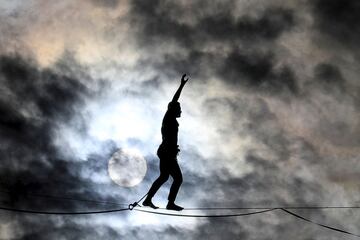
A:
176, 174
164, 176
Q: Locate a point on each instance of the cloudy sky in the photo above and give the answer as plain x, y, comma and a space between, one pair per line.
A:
270, 114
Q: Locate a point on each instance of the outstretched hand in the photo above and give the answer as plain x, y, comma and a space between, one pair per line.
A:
178, 92
183, 79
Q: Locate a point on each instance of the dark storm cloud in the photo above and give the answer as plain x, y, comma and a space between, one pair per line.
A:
257, 71
34, 103
156, 24
160, 22
270, 25
329, 78
338, 19
106, 3
329, 74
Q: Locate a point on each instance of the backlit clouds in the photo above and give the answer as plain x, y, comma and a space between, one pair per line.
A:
270, 114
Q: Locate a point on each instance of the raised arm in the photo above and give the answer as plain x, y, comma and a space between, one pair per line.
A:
178, 92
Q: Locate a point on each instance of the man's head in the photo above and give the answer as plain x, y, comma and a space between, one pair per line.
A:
175, 109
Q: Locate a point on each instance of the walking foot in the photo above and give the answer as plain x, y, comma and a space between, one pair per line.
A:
173, 206
148, 203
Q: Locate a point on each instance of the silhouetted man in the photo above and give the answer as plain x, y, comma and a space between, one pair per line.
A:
167, 152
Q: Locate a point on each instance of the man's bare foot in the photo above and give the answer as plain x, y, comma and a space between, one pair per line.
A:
173, 206
148, 203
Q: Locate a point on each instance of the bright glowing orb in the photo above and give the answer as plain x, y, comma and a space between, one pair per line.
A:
127, 167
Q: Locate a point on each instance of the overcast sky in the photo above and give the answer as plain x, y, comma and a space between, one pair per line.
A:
270, 115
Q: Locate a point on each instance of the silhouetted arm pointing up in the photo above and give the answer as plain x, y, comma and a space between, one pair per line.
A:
178, 92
